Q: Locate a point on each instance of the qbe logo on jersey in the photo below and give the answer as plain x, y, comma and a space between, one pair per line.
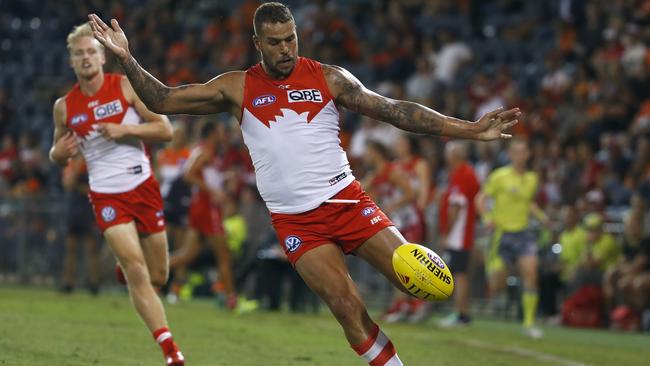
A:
109, 109
304, 95
292, 243
108, 214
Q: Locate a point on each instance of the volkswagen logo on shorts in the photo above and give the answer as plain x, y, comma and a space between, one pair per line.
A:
108, 214
435, 259
292, 243
368, 211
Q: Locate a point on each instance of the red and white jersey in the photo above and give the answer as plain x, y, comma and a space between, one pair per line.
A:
291, 129
463, 187
113, 167
388, 194
212, 173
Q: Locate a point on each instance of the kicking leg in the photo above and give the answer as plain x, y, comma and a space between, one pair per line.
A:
324, 271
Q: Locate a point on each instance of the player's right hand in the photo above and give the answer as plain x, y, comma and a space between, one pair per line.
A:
66, 147
112, 38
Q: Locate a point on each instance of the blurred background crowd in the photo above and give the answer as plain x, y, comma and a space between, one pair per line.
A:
578, 69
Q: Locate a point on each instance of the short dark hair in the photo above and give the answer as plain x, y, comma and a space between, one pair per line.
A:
272, 12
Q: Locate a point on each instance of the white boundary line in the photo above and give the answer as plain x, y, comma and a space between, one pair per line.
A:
540, 356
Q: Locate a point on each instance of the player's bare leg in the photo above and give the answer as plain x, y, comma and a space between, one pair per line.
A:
224, 264
154, 248
530, 297
378, 251
124, 242
323, 270
188, 250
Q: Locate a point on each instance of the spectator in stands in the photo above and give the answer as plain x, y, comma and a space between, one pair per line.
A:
627, 282
589, 259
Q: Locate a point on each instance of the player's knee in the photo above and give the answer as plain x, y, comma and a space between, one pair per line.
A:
136, 273
345, 305
159, 277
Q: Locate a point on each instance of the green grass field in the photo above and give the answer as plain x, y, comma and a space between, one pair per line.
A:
45, 328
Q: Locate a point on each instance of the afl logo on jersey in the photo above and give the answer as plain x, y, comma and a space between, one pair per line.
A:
108, 214
264, 100
79, 118
368, 211
304, 95
292, 243
107, 110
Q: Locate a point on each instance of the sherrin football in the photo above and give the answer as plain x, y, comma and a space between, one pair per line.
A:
422, 272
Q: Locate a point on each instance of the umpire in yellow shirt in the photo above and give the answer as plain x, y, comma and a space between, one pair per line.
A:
512, 189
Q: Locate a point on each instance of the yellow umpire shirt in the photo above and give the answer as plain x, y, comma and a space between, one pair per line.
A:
513, 194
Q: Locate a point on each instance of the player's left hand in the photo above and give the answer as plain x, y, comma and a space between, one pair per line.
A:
111, 131
493, 124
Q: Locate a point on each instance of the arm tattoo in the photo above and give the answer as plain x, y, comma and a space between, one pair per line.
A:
152, 92
402, 114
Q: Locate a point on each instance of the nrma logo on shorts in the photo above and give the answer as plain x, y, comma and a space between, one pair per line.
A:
304, 95
368, 211
108, 214
264, 100
292, 243
107, 110
79, 118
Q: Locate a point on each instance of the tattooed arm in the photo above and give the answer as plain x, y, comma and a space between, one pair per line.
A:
212, 97
350, 93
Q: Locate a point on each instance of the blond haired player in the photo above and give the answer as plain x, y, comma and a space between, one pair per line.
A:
287, 109
104, 118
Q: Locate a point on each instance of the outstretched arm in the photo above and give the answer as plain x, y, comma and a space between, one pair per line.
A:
204, 98
350, 92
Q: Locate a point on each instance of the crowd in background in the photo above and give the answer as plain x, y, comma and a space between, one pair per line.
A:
578, 69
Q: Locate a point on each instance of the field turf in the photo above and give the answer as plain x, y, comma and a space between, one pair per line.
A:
39, 327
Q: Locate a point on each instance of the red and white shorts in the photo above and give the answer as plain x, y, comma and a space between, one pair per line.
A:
143, 205
205, 217
344, 224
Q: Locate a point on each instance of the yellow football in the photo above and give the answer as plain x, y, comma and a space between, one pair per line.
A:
422, 272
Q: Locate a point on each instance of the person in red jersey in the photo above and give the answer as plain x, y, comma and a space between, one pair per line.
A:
104, 119
457, 221
417, 172
205, 173
287, 107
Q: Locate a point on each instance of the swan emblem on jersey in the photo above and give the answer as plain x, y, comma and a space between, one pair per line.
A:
289, 115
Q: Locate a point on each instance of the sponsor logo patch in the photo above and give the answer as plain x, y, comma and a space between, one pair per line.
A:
79, 118
109, 109
375, 220
304, 95
134, 169
292, 243
436, 260
264, 100
338, 178
108, 214
368, 211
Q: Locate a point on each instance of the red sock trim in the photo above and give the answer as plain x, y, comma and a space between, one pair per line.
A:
386, 353
365, 346
158, 332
